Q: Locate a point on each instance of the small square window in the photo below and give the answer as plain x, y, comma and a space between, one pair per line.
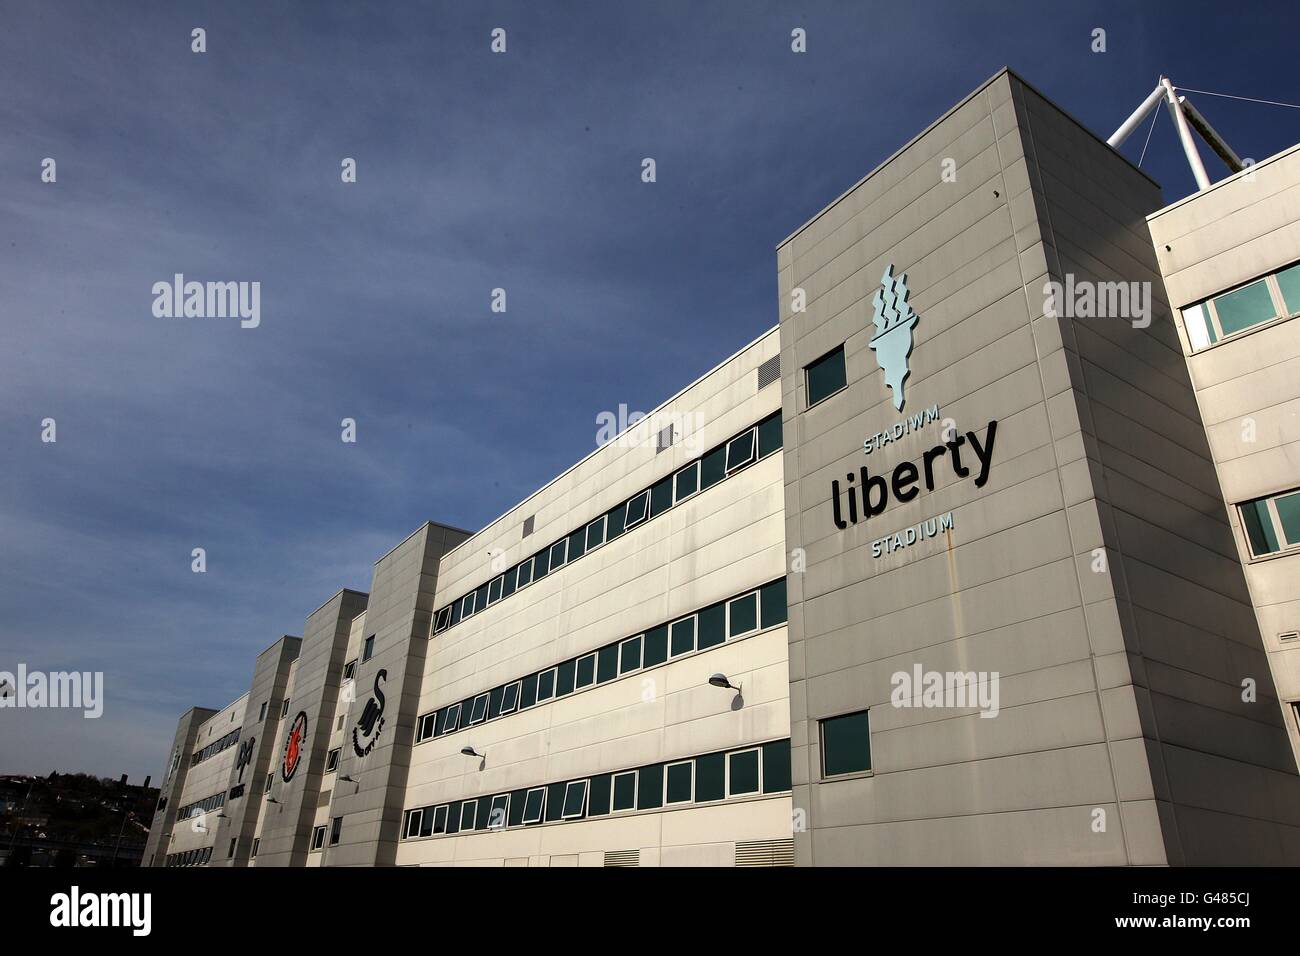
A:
637, 509
740, 451
575, 800
846, 744
687, 481
624, 791
546, 685
586, 674
629, 655
428, 726
713, 467
478, 712
510, 699
534, 804
742, 772
679, 782
596, 533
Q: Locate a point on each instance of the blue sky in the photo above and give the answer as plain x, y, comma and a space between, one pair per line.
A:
475, 171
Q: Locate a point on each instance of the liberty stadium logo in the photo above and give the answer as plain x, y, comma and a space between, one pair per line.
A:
894, 321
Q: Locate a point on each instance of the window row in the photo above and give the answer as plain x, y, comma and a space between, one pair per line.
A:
190, 857
748, 771
206, 805
1272, 524
751, 445
318, 835
709, 627
1263, 300
214, 748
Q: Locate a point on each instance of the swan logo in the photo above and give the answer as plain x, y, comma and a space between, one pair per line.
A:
892, 341
371, 722
293, 745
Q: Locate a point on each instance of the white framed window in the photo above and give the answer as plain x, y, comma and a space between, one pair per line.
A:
499, 812
534, 805
284, 708
468, 814
510, 698
332, 760
442, 621
451, 719
1272, 524
679, 782
494, 589
478, 710
585, 672
1255, 303
546, 685
467, 605
428, 726
440, 819
525, 572
629, 655
742, 614
744, 772
559, 553
596, 533
623, 791
686, 482
575, 800
317, 838
270, 778
637, 509
740, 451
413, 821
257, 844
350, 669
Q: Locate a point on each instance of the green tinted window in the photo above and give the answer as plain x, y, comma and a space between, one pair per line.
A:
541, 565
1259, 527
453, 818
512, 576
528, 691
558, 554
494, 590
713, 467
614, 522
577, 544
607, 663
846, 744
710, 777
825, 376
656, 646
629, 658
661, 497
1245, 307
575, 799
533, 805
598, 799
564, 678
517, 800
743, 615
1289, 280
772, 603
742, 769
713, 630
688, 480
650, 787
545, 685
680, 782
554, 801
776, 766
769, 435
683, 636
1288, 510
586, 675
625, 791
596, 533
740, 450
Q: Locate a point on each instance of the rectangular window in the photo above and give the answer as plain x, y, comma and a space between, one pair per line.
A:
336, 830
332, 760
494, 590
468, 814
440, 819
742, 772
526, 572
494, 702
499, 811
575, 799
534, 803
467, 605
450, 719
624, 791
598, 795
413, 818
510, 698
710, 777
443, 620
1272, 524
679, 780
541, 564
559, 553
369, 649
455, 613
546, 685
661, 497
481, 598
284, 707
742, 615
596, 533
769, 435
350, 669
683, 636
509, 581
713, 626
564, 678
257, 843
1245, 307
528, 691
317, 838
637, 509
776, 766
479, 711
826, 376
629, 655
650, 787
428, 726
740, 451
231, 852
686, 482
261, 714
577, 544
772, 603
586, 674
846, 744
713, 467
656, 646
1288, 283
614, 522
270, 779
607, 663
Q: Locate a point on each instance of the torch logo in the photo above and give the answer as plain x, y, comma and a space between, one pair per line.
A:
894, 321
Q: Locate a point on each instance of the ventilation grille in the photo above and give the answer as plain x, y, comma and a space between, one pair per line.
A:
324, 800
765, 853
622, 857
666, 439
769, 371
1288, 636
528, 525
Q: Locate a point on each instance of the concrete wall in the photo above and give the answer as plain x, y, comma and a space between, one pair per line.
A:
172, 788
